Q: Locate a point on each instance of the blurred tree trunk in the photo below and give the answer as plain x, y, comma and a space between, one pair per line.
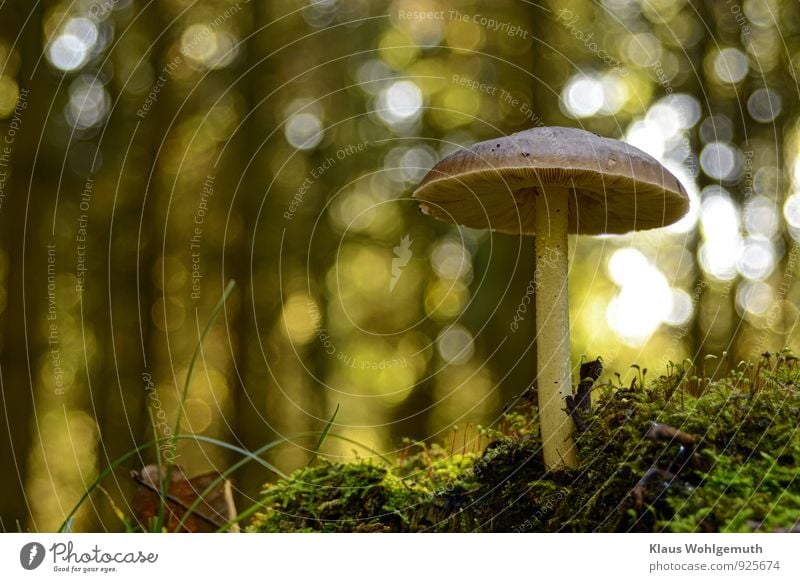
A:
256, 269
788, 124
697, 339
276, 394
131, 253
28, 199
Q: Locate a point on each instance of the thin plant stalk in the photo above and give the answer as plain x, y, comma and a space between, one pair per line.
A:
185, 394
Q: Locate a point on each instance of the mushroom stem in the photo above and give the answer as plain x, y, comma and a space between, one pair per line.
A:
554, 376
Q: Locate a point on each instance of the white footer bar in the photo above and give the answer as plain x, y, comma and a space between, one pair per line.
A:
400, 557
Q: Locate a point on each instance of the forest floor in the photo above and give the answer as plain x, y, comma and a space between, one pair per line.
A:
680, 453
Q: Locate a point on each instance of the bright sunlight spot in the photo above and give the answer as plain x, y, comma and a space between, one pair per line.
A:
645, 299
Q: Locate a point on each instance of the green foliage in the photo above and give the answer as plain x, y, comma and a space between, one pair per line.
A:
740, 473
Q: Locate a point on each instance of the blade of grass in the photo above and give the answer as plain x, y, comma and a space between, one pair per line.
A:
323, 436
250, 456
117, 510
230, 470
243, 515
175, 501
160, 517
199, 347
184, 395
135, 451
103, 474
256, 506
244, 452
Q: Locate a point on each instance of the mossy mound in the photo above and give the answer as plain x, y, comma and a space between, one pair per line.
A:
682, 454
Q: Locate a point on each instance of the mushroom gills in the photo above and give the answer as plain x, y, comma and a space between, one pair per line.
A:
500, 212
589, 212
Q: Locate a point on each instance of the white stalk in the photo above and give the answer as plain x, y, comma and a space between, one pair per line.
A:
554, 377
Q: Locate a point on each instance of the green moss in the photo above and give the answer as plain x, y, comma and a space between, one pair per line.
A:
740, 473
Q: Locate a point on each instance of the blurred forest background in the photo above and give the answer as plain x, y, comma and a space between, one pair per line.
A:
152, 150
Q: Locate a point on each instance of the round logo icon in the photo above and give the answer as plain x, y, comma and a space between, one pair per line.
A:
31, 555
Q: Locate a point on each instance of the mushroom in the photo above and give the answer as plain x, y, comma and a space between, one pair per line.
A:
548, 182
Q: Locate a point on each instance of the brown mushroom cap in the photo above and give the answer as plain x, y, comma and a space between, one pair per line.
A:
614, 187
